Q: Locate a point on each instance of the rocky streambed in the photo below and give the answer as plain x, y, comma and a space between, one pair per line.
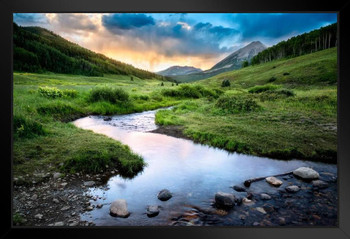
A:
205, 186
294, 199
301, 198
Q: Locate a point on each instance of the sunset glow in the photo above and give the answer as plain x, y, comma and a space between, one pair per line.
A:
157, 41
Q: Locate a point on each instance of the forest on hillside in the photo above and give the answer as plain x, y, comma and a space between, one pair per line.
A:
316, 40
36, 49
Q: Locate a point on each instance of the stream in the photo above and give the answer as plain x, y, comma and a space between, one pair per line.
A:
192, 172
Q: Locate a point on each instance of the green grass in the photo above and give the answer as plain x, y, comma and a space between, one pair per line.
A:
292, 116
44, 104
295, 116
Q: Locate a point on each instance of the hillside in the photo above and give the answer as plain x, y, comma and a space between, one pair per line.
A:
283, 109
316, 40
232, 62
311, 70
39, 50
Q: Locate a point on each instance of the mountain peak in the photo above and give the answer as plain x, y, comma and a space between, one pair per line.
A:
179, 70
235, 60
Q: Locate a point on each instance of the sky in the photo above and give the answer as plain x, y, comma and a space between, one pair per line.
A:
156, 41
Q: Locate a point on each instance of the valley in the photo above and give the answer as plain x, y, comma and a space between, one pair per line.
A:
88, 130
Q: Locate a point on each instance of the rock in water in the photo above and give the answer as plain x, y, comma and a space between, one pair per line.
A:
152, 211
119, 208
306, 173
265, 196
164, 195
274, 181
292, 189
224, 199
239, 188
319, 184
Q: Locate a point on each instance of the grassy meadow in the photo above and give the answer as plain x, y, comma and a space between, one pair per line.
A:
45, 104
282, 109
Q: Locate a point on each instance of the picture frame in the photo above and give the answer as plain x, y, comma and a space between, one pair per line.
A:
41, 6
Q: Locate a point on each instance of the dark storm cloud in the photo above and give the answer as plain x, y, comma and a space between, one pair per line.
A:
126, 20
29, 19
253, 26
201, 39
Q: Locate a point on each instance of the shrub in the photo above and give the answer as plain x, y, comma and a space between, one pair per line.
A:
277, 94
188, 91
286, 73
50, 92
70, 93
59, 110
245, 64
95, 160
262, 88
113, 95
225, 83
272, 79
235, 104
26, 128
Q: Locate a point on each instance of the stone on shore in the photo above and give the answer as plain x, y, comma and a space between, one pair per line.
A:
57, 175
164, 195
224, 199
306, 173
274, 181
89, 183
119, 208
319, 184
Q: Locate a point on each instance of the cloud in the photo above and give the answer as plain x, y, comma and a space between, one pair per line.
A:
276, 25
71, 22
157, 40
30, 19
126, 21
172, 37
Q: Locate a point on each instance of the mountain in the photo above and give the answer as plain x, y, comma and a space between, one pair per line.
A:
232, 62
235, 60
179, 70
37, 49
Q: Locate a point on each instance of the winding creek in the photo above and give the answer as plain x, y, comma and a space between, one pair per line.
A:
191, 171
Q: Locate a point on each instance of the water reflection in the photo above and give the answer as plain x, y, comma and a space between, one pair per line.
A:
192, 172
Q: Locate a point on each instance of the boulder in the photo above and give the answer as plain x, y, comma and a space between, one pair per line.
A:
224, 199
164, 195
292, 189
119, 208
274, 181
306, 173
152, 211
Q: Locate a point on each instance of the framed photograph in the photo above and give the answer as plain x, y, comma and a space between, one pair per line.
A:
189, 119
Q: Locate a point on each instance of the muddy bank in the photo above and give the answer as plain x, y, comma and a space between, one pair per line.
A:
56, 199
171, 130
